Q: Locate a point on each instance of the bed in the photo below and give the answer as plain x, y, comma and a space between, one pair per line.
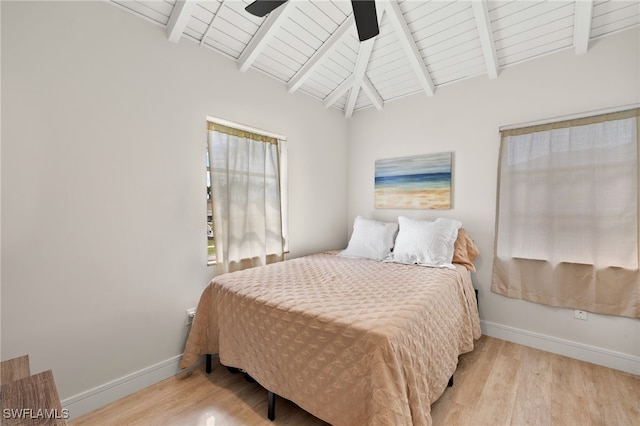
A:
352, 341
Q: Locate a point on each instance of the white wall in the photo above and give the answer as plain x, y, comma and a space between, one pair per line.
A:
103, 208
464, 118
102, 179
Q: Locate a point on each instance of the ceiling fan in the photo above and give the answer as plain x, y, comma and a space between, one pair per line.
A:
364, 13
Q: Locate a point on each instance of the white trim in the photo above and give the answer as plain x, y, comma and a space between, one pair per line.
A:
246, 128
179, 18
107, 393
483, 24
211, 24
99, 396
409, 45
360, 69
338, 92
570, 117
364, 53
372, 93
263, 36
580, 351
583, 18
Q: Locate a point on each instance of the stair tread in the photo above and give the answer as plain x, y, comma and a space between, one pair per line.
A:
14, 369
34, 400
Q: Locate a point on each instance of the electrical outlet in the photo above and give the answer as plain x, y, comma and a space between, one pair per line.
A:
191, 313
581, 315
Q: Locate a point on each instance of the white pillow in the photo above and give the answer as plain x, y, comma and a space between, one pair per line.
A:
371, 239
425, 242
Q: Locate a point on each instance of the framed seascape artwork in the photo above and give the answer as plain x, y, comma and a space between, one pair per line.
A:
418, 182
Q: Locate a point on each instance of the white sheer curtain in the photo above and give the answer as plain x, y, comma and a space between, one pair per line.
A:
246, 192
567, 223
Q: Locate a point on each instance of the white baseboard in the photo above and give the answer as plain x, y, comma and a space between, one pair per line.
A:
592, 354
109, 392
99, 396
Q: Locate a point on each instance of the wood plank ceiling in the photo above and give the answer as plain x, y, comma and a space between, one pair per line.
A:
312, 45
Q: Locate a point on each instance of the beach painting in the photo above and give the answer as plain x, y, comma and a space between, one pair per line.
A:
418, 182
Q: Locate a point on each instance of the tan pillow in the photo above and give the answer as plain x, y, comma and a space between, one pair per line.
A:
464, 250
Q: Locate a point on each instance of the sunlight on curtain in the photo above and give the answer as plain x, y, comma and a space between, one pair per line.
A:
246, 192
567, 219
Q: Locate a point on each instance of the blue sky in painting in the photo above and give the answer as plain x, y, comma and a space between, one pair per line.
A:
422, 164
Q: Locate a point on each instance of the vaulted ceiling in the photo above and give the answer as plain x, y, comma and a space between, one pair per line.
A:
312, 46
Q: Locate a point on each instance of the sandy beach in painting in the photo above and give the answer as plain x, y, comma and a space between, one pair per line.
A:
418, 182
413, 199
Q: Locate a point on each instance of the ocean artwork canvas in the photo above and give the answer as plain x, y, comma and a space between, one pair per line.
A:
418, 182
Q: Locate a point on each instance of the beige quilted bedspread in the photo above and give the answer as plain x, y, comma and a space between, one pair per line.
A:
352, 341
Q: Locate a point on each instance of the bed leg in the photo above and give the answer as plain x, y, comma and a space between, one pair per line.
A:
450, 381
208, 364
271, 401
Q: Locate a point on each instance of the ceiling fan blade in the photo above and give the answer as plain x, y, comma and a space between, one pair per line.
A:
263, 7
364, 13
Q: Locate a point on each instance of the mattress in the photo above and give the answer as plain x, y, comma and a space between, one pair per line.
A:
352, 341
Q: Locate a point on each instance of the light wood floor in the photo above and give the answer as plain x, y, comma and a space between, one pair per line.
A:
499, 383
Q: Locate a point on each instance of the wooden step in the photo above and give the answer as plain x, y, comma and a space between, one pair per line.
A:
28, 399
14, 369
32, 400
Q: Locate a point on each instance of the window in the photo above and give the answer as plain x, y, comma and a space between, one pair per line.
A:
567, 219
211, 245
247, 197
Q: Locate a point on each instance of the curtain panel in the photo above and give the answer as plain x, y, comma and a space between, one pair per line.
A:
248, 180
567, 215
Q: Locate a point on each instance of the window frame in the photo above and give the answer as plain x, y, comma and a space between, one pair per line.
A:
594, 287
282, 158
